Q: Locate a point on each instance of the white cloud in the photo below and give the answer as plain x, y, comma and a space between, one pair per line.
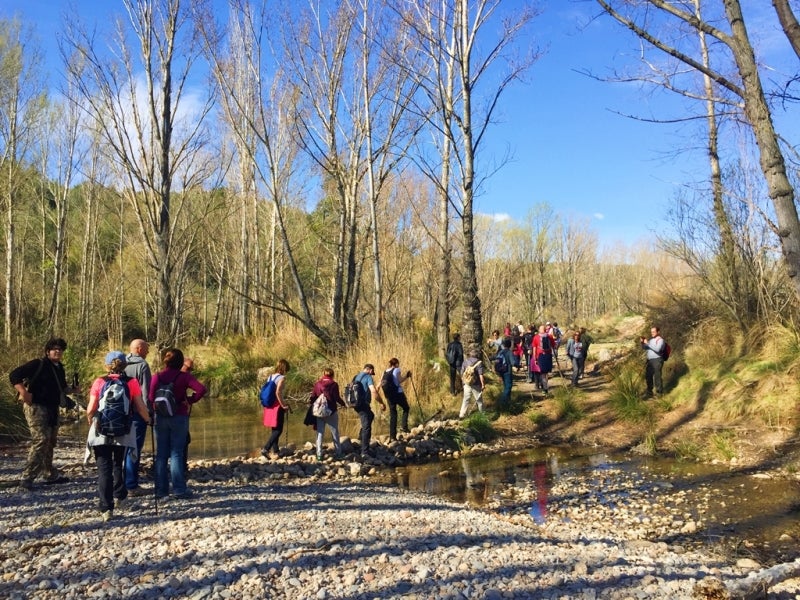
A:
500, 217
599, 216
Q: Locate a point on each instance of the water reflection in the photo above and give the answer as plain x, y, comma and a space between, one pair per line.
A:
221, 431
542, 480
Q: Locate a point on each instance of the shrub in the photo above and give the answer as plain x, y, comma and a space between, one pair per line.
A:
480, 427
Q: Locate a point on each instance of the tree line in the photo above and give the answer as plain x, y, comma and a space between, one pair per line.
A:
199, 175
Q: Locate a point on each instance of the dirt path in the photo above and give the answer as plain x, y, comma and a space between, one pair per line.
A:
676, 423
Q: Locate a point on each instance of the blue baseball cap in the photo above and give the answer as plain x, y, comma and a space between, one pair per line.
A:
114, 355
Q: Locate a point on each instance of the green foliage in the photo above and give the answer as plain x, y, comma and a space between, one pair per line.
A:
12, 420
452, 438
686, 450
480, 427
625, 397
722, 444
538, 418
567, 405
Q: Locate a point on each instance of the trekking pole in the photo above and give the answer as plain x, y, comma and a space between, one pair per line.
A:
153, 447
419, 404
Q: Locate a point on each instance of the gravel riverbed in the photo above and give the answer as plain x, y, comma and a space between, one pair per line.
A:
295, 529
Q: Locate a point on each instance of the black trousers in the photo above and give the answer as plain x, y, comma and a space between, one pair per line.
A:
110, 477
652, 375
274, 437
365, 435
394, 401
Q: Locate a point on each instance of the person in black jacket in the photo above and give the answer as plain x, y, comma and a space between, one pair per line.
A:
41, 383
455, 358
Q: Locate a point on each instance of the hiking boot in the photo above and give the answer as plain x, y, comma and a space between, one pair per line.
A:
122, 504
55, 480
25, 485
184, 495
137, 491
107, 515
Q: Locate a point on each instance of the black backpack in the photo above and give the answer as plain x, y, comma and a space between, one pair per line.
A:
388, 386
356, 394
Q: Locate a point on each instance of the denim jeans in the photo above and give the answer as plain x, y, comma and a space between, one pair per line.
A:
331, 421
170, 447
132, 466
505, 397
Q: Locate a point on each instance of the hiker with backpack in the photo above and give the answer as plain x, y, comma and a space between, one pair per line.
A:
455, 358
364, 389
527, 349
325, 400
474, 384
275, 415
113, 399
392, 388
654, 350
170, 402
40, 384
502, 367
543, 344
136, 366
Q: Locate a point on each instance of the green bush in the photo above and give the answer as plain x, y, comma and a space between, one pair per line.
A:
480, 427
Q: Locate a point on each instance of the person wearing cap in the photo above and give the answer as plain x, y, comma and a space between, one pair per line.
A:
365, 414
41, 383
171, 431
136, 366
109, 452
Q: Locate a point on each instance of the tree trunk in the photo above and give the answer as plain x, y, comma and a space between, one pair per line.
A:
770, 156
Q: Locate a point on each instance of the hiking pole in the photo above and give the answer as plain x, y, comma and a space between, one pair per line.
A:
153, 447
419, 404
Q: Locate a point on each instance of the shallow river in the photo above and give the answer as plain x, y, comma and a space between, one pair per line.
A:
736, 503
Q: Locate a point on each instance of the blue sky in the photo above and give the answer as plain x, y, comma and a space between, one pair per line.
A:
570, 148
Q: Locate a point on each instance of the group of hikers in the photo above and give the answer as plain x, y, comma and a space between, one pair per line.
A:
326, 398
532, 349
121, 405
128, 399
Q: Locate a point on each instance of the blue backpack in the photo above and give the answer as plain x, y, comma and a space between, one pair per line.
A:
114, 412
268, 394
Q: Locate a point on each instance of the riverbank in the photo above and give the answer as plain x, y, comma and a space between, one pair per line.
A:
258, 529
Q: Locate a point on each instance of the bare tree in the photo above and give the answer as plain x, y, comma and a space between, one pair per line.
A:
450, 32
22, 102
260, 112
150, 132
735, 55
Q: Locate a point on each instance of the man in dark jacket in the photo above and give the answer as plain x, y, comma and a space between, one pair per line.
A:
137, 368
455, 358
41, 383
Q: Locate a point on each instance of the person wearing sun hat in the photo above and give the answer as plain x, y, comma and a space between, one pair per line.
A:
40, 383
109, 451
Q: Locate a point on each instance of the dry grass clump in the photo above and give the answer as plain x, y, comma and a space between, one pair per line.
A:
753, 373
